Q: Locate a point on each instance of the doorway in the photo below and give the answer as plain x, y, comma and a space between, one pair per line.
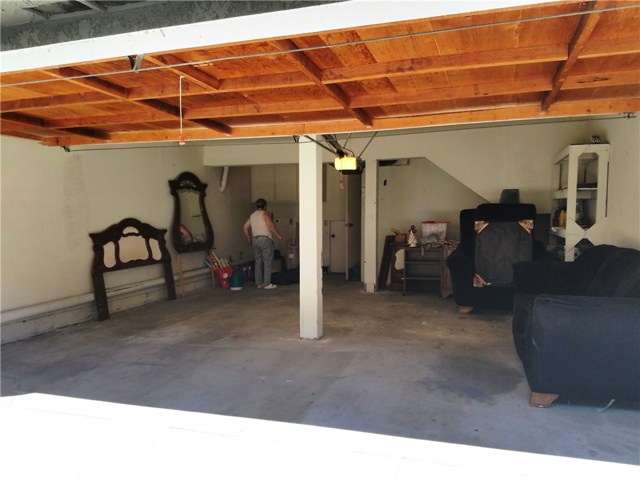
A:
343, 234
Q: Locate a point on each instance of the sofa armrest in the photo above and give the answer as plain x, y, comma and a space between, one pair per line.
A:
585, 347
545, 277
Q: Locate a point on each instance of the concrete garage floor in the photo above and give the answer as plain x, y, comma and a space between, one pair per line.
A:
406, 366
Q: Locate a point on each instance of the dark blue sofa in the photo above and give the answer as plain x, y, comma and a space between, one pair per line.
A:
576, 326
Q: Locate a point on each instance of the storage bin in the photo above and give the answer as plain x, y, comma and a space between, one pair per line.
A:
236, 281
434, 231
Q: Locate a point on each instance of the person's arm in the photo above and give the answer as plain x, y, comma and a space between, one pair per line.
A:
271, 226
247, 230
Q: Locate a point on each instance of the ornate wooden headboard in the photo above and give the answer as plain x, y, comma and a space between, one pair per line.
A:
128, 244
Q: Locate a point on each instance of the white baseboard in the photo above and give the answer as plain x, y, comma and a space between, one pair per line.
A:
35, 320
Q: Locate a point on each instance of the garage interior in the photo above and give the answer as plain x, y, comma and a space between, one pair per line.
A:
404, 367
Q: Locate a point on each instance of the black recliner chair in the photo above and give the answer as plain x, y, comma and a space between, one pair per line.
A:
493, 237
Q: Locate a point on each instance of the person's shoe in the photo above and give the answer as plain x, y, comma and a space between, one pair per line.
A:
270, 286
259, 285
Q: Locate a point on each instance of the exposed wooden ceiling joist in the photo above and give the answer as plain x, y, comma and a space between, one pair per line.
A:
579, 41
557, 59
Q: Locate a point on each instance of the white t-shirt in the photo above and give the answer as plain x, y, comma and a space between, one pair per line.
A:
259, 225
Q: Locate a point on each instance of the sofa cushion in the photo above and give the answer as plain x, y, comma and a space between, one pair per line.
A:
618, 275
587, 265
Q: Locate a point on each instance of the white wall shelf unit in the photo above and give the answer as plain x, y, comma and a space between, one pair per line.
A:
580, 190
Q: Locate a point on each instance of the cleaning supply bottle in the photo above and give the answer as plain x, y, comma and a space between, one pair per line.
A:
579, 213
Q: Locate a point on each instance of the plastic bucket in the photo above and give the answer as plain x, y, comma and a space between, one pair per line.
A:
236, 281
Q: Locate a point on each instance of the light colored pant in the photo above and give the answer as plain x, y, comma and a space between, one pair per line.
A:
263, 253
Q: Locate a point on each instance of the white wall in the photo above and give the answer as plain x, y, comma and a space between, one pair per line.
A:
420, 191
488, 159
52, 200
228, 210
623, 217
258, 153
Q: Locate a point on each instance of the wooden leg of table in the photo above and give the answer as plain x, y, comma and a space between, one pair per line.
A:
180, 276
542, 400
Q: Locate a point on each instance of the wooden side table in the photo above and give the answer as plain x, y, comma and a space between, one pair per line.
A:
429, 263
422, 264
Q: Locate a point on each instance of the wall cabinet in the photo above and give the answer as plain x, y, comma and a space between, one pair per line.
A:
275, 183
579, 201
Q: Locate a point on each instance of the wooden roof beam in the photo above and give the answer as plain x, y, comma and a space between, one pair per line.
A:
517, 112
78, 77
213, 125
160, 107
120, 93
196, 114
54, 101
605, 79
114, 119
227, 85
23, 119
88, 132
291, 106
618, 46
464, 61
18, 118
453, 93
190, 72
261, 82
312, 71
576, 46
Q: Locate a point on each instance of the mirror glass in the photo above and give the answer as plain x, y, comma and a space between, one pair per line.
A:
191, 230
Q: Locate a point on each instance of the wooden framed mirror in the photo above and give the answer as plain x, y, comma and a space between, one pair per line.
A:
191, 230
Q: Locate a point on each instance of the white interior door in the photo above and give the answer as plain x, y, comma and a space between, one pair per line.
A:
337, 245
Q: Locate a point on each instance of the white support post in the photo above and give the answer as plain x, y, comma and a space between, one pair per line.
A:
310, 195
370, 225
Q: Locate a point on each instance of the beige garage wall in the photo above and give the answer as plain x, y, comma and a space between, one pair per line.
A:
52, 200
623, 218
490, 159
